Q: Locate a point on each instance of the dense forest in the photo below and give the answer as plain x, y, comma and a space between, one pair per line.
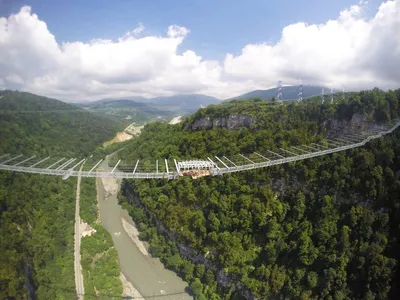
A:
325, 228
275, 126
37, 212
36, 125
36, 236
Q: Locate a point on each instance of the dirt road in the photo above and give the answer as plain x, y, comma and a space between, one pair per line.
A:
77, 250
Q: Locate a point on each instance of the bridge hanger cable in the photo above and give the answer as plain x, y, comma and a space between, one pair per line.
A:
222, 165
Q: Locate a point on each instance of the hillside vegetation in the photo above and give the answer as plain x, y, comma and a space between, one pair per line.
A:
323, 228
31, 124
127, 111
37, 211
289, 93
99, 258
275, 126
143, 110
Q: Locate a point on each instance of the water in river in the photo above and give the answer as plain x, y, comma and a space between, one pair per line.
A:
147, 274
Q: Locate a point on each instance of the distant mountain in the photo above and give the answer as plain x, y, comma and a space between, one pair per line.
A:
128, 111
180, 104
123, 103
134, 99
289, 93
15, 101
190, 102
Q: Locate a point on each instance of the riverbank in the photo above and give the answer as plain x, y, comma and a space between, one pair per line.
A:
146, 274
111, 188
129, 290
132, 231
98, 255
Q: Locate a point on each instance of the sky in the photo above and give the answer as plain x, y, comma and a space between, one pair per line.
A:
87, 50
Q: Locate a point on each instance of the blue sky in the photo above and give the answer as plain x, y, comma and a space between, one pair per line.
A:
340, 44
217, 27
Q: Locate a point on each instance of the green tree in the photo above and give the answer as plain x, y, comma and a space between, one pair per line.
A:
196, 287
312, 279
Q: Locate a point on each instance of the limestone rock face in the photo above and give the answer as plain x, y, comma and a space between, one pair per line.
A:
230, 122
357, 124
202, 123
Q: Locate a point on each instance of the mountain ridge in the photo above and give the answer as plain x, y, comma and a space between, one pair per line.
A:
289, 93
195, 101
185, 102
42, 125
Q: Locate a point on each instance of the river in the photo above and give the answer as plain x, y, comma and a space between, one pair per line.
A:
147, 274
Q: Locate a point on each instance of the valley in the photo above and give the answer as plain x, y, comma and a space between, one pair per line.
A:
206, 150
37, 212
147, 274
323, 226
125, 111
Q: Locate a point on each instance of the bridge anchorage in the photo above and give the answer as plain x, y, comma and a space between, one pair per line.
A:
194, 168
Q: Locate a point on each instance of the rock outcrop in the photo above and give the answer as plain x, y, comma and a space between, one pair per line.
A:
358, 124
230, 122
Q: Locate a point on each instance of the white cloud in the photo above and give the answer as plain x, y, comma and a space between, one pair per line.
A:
14, 79
138, 30
350, 51
134, 33
175, 31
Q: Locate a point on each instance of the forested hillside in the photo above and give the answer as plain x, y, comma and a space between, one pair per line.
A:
274, 126
36, 211
128, 111
289, 93
32, 124
325, 228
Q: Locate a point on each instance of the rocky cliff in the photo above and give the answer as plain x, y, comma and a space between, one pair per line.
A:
358, 124
229, 122
185, 251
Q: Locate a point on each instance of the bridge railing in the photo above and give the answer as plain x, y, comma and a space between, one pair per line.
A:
339, 145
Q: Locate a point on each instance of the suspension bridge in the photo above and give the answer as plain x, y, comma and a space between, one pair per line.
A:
209, 166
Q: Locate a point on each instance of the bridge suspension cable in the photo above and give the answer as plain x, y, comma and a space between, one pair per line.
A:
194, 168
